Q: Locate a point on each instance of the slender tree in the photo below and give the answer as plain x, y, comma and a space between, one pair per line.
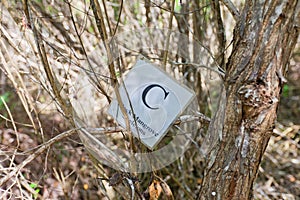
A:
264, 37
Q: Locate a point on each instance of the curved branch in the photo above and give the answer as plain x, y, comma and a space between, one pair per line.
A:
232, 9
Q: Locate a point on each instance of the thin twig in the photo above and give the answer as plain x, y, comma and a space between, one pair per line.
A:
168, 36
148, 13
38, 152
220, 33
106, 15
12, 120
64, 103
182, 119
114, 80
21, 89
218, 71
18, 123
232, 9
25, 184
178, 182
119, 18
15, 129
180, 13
97, 81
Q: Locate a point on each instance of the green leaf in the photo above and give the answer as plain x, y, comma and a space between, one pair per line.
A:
4, 97
118, 74
36, 193
285, 91
177, 6
36, 189
33, 185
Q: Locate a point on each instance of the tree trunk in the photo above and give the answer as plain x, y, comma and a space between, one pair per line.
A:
264, 37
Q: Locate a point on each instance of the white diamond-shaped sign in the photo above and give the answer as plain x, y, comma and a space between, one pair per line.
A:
153, 102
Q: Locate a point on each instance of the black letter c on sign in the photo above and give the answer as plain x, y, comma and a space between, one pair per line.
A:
147, 89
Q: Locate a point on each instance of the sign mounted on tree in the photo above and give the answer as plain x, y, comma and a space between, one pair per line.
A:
153, 100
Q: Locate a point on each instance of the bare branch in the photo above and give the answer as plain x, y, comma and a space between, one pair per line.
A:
168, 36
221, 36
114, 80
232, 9
182, 119
97, 81
54, 83
219, 70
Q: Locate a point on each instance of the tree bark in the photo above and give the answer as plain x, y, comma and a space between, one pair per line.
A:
237, 137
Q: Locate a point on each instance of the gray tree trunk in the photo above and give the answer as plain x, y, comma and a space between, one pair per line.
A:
264, 37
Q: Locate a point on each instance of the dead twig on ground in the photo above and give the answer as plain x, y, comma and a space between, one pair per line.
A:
38, 152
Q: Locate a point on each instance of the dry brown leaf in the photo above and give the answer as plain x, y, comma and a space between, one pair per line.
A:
155, 190
291, 178
85, 186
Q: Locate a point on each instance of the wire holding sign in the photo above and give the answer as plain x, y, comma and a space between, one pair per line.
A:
156, 98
